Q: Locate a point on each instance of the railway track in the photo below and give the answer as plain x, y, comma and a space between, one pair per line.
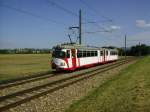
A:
24, 80
19, 85
17, 98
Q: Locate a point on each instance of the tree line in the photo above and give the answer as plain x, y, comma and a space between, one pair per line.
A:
137, 50
25, 51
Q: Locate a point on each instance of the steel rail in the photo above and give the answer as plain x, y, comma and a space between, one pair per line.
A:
23, 81
77, 77
28, 79
55, 82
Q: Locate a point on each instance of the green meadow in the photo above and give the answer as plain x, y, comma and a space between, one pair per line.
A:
128, 91
20, 65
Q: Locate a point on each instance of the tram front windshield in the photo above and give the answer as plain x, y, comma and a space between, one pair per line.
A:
58, 54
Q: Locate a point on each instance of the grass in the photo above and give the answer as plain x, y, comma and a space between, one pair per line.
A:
129, 91
19, 65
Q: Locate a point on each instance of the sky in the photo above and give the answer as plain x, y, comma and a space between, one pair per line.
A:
45, 23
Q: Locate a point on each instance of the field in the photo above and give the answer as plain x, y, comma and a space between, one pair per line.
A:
19, 65
128, 91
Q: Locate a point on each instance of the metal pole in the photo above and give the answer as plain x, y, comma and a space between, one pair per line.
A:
79, 27
139, 49
125, 46
80, 22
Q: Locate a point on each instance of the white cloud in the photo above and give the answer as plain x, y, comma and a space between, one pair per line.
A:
148, 25
142, 24
114, 27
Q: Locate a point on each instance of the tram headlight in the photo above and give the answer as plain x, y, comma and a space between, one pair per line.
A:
62, 64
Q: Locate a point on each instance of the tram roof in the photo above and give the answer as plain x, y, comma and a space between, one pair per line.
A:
78, 46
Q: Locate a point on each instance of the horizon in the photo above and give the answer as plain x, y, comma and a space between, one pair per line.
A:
121, 47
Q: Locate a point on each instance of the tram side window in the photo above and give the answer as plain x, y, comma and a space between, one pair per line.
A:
68, 53
113, 53
102, 53
95, 52
92, 53
79, 53
84, 53
106, 53
110, 52
88, 53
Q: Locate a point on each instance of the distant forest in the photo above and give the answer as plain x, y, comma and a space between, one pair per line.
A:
137, 50
25, 51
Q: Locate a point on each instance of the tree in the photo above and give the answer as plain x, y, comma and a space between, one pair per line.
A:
140, 50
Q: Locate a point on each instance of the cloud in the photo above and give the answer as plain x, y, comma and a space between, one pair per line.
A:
111, 28
114, 27
142, 24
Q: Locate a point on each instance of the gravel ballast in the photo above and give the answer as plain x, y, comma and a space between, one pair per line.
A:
59, 100
20, 87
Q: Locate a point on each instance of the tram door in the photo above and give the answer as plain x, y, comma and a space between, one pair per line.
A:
104, 56
73, 52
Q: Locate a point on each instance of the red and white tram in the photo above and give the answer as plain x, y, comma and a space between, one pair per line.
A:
73, 56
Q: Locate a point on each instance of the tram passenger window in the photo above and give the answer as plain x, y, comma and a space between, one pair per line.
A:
88, 53
68, 53
95, 53
84, 53
110, 52
113, 53
106, 53
79, 54
92, 53
101, 53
